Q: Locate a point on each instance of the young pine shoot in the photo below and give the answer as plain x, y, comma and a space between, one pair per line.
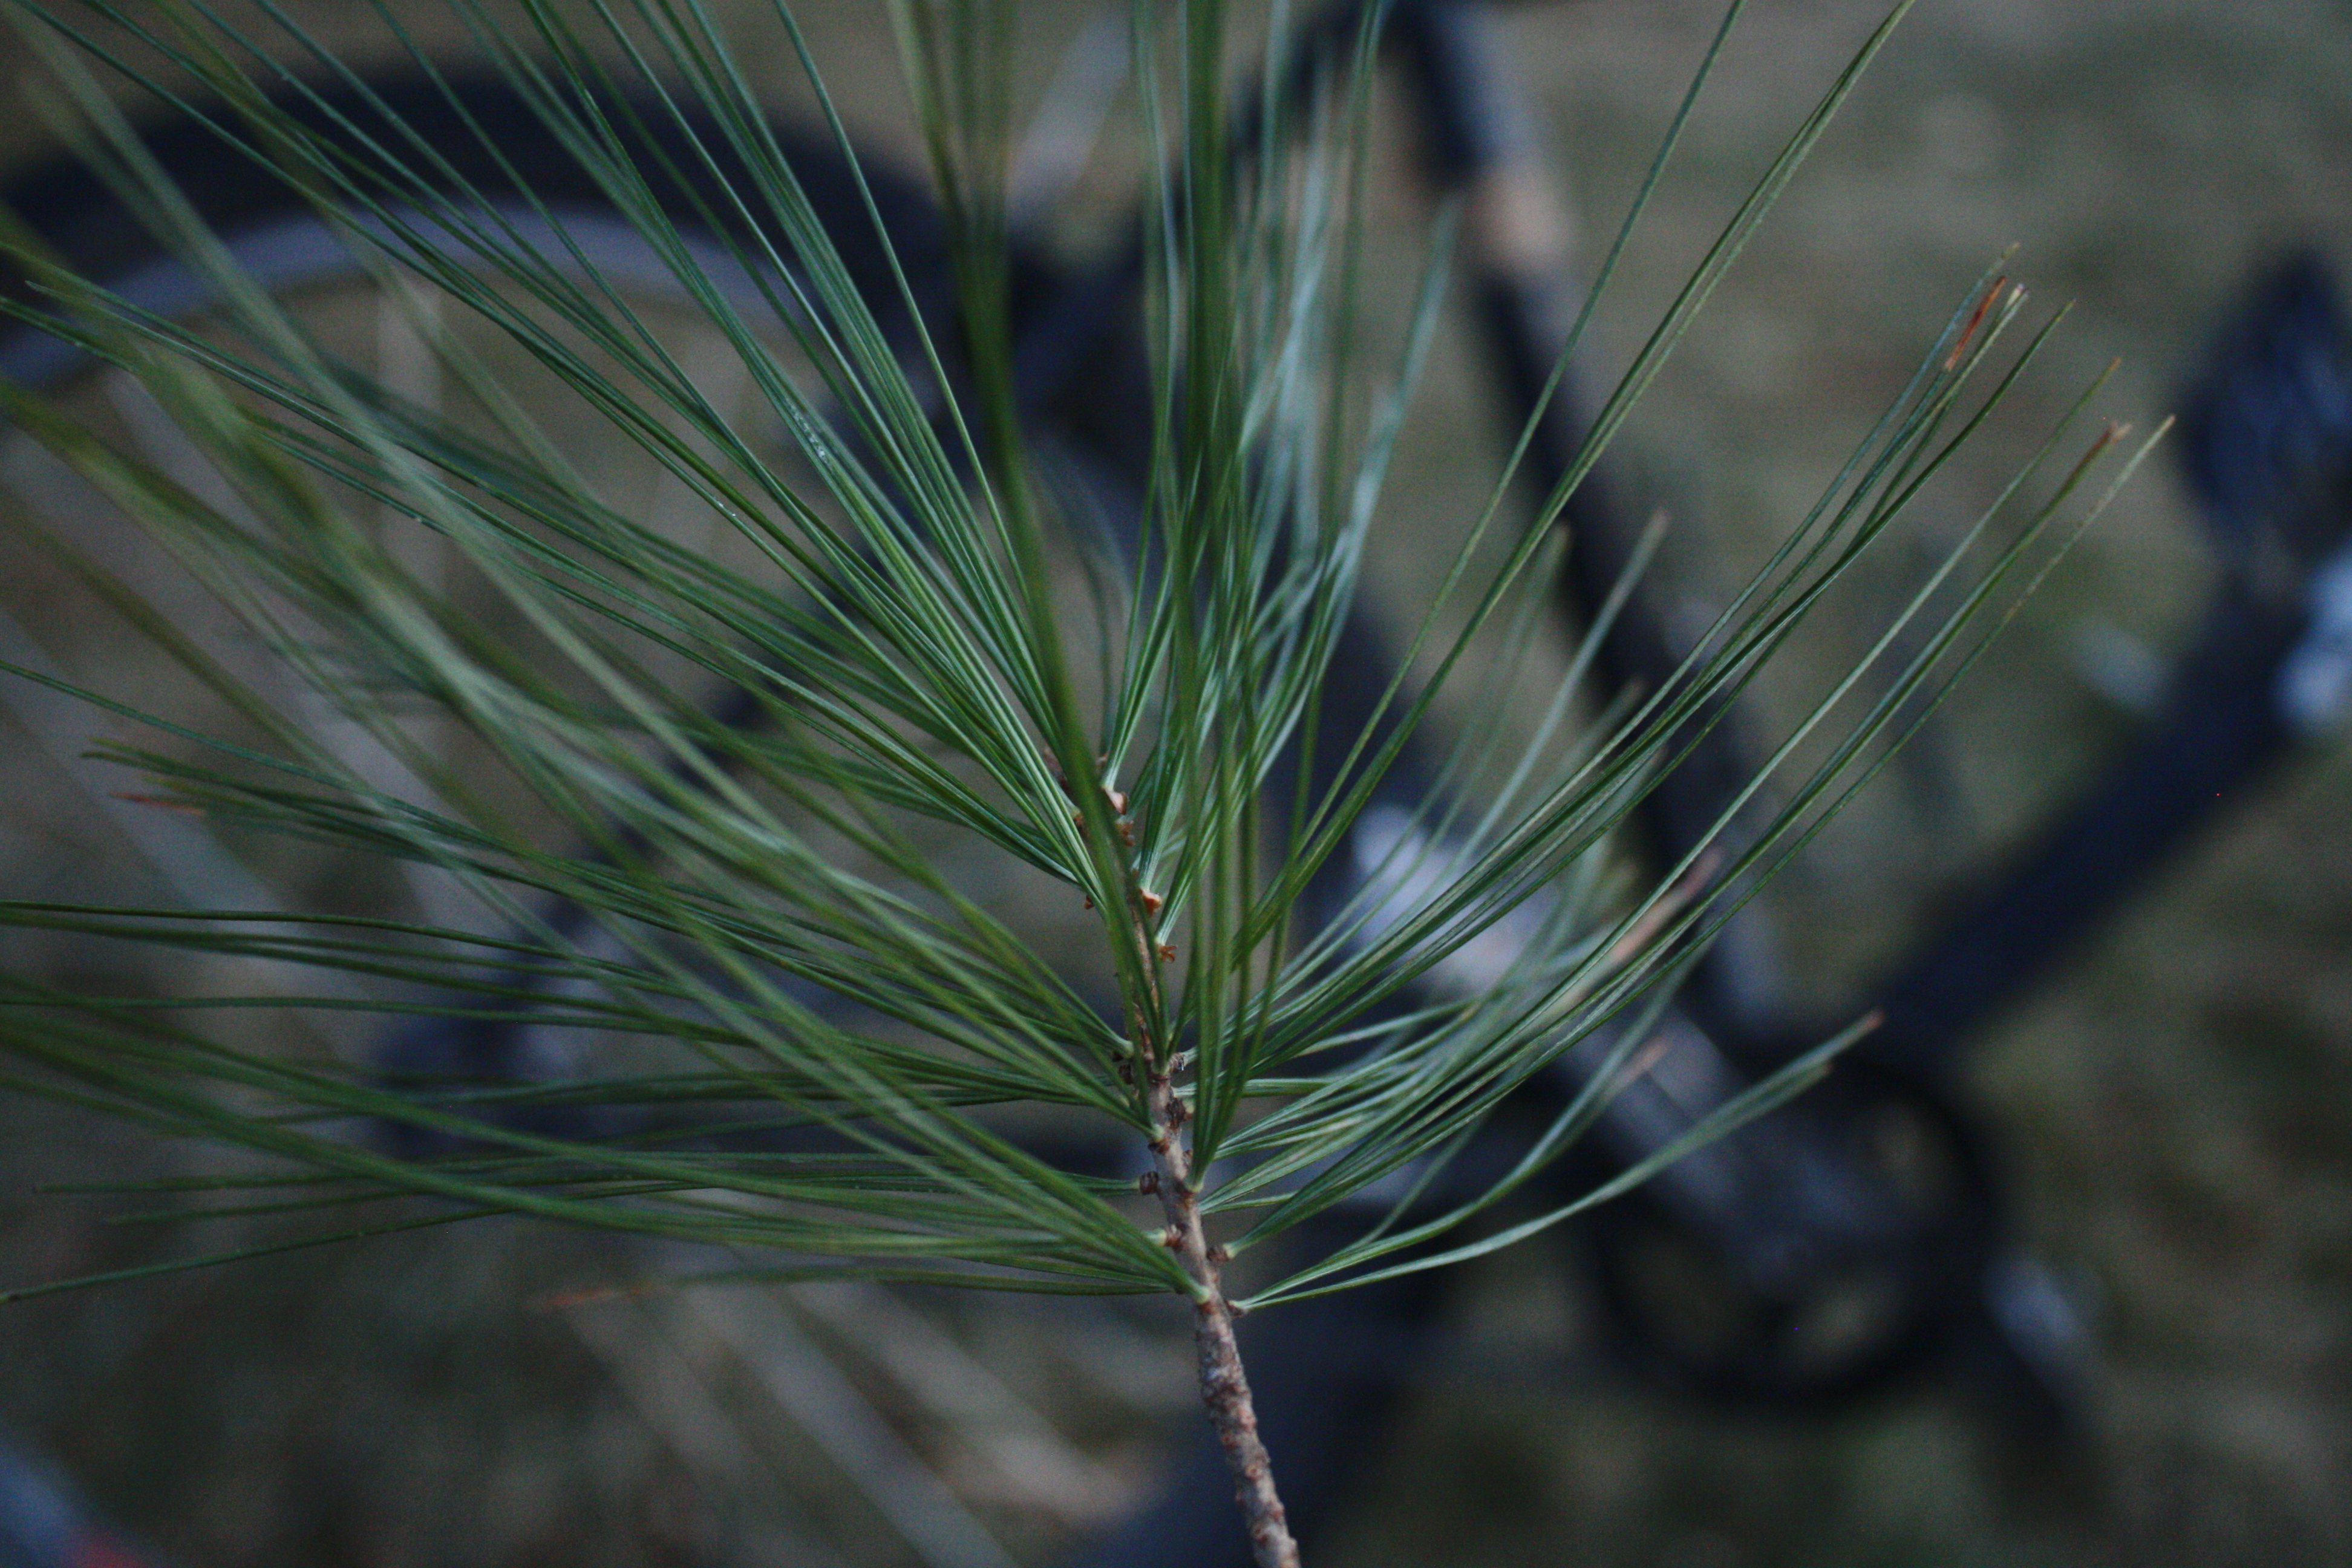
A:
911, 818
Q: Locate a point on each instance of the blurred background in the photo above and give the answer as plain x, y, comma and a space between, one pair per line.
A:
2174, 1115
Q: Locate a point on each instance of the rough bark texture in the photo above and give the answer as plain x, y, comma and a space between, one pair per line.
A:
1225, 1387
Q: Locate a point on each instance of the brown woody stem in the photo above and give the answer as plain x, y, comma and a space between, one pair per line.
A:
1225, 1387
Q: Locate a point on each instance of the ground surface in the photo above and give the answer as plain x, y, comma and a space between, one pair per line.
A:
2176, 1112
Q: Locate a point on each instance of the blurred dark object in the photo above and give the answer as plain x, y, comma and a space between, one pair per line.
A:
2266, 433
2267, 450
43, 1525
2266, 444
